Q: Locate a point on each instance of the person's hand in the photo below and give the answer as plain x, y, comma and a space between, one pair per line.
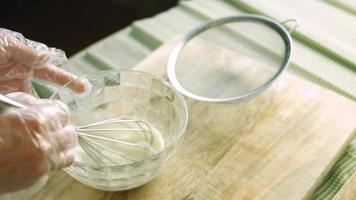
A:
21, 58
33, 141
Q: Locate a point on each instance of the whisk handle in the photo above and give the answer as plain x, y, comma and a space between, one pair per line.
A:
6, 102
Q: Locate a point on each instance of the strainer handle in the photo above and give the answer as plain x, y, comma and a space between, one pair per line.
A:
294, 21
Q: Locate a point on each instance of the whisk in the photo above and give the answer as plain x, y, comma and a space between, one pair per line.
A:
94, 148
89, 142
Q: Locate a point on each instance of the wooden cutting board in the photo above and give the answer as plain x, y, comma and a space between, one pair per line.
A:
278, 145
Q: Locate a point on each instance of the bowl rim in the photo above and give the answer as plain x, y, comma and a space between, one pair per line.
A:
164, 82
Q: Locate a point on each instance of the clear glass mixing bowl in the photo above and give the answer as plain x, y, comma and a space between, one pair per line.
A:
136, 95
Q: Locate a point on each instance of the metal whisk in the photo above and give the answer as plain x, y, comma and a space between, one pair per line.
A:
90, 142
94, 148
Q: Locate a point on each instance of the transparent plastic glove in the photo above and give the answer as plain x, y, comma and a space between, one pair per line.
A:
33, 141
21, 58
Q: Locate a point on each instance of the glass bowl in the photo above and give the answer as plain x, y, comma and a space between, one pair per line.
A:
133, 95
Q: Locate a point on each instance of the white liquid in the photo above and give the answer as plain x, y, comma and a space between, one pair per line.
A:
116, 153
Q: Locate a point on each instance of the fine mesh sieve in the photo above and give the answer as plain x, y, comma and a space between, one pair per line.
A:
230, 59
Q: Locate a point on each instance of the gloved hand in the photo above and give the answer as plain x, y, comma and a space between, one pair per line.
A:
21, 58
33, 141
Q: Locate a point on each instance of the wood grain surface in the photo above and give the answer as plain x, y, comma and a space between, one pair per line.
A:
278, 145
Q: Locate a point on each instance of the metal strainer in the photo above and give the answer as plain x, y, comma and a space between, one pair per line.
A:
230, 59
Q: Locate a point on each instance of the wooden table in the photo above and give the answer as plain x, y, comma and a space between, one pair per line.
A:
279, 145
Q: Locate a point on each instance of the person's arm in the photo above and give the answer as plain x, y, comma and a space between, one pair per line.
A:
38, 139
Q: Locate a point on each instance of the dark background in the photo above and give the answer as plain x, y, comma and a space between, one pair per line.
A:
72, 25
